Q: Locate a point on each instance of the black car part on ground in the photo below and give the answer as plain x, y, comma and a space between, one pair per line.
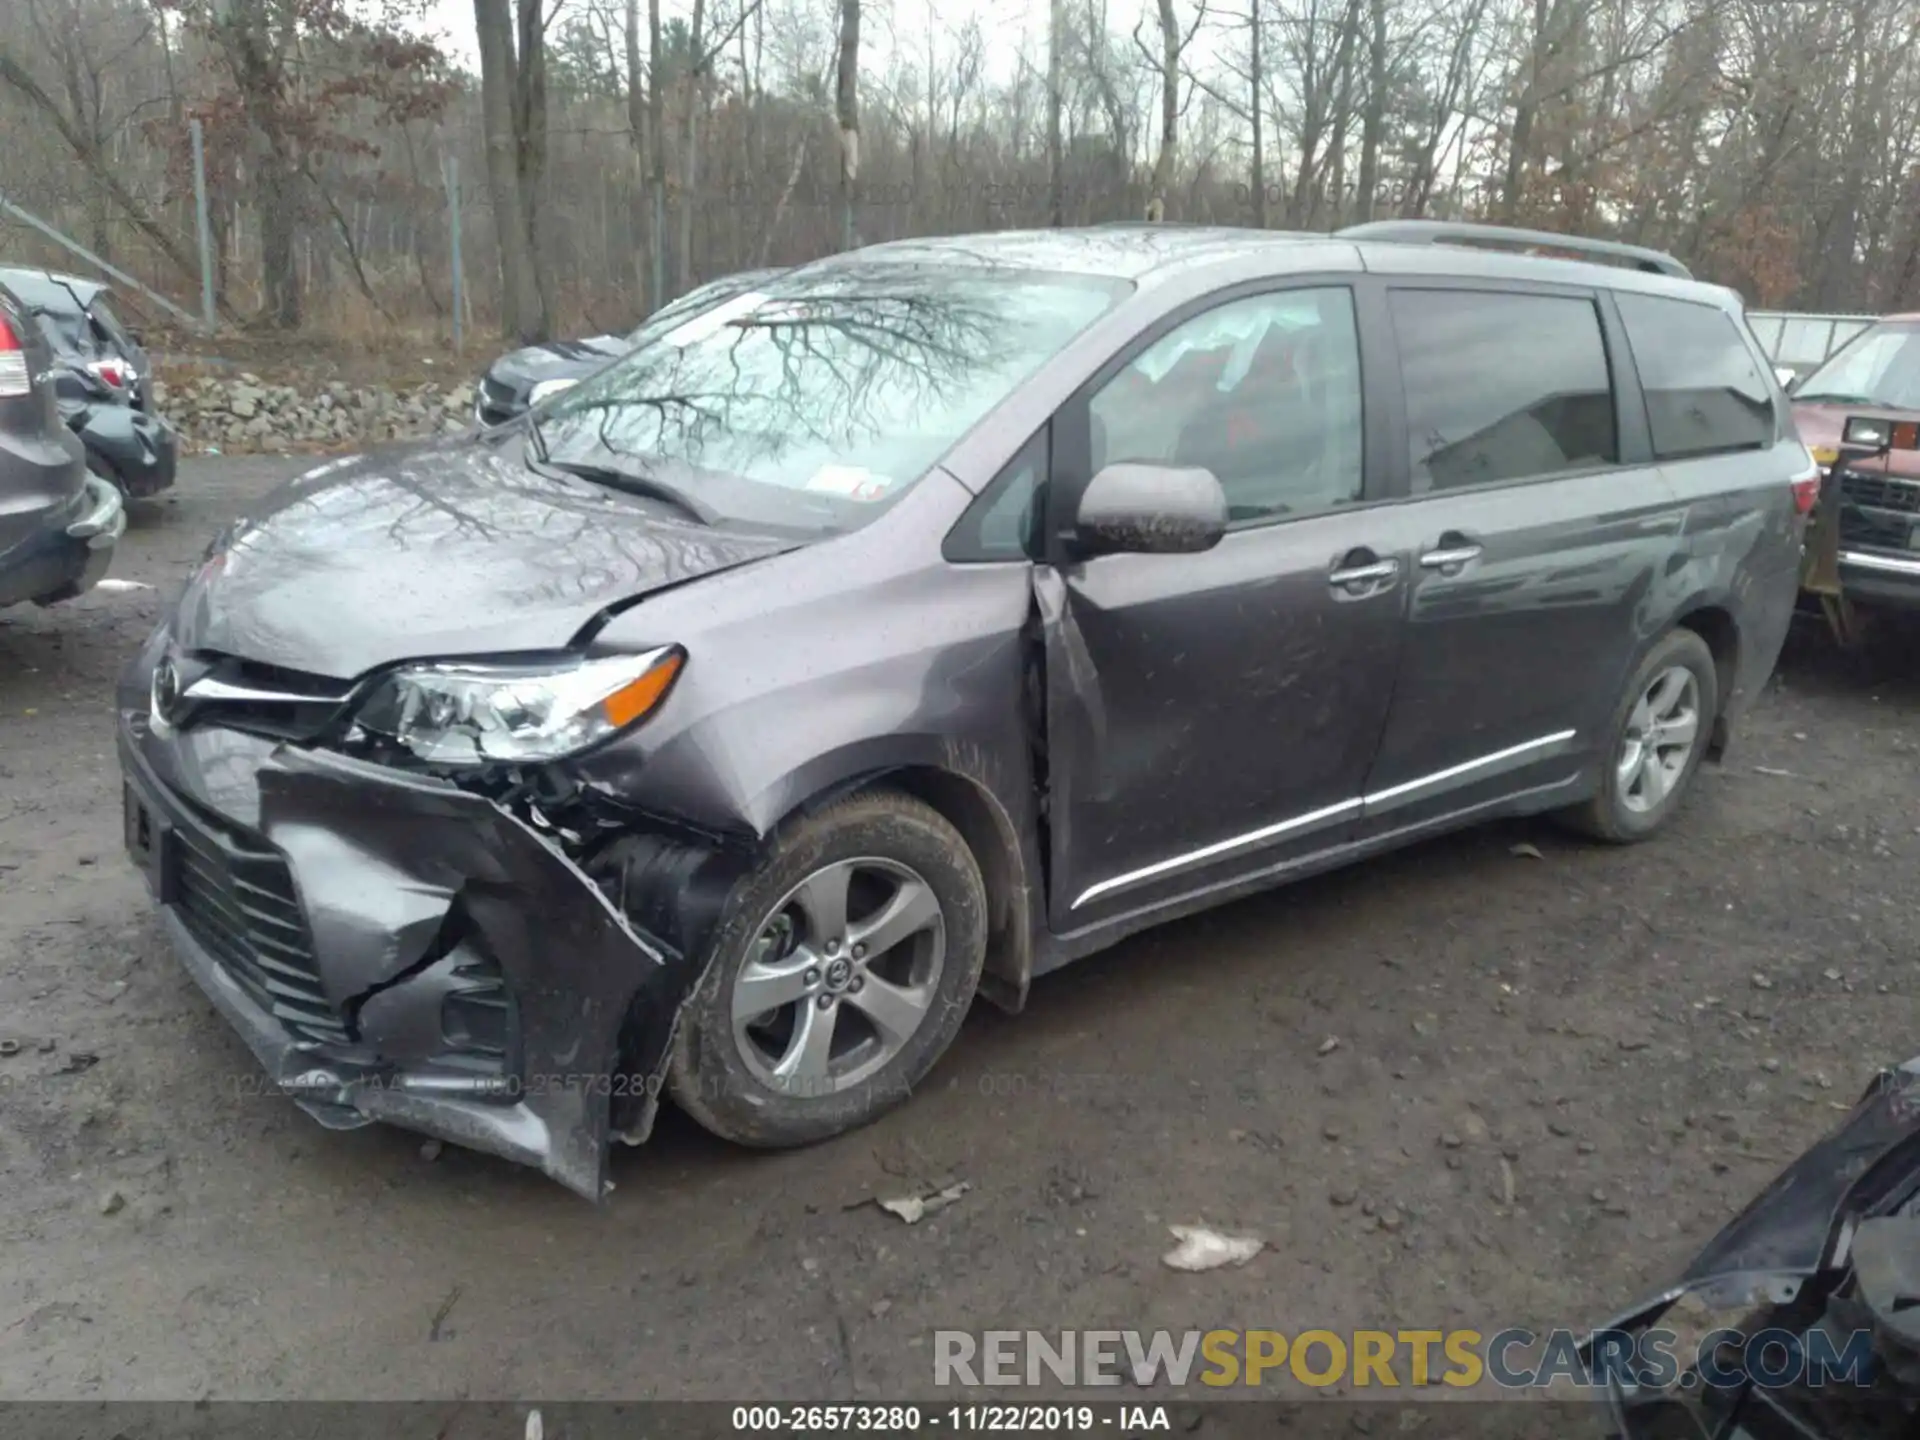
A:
58, 524
1830, 1250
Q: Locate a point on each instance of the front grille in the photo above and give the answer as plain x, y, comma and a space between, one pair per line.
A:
1878, 510
235, 894
287, 704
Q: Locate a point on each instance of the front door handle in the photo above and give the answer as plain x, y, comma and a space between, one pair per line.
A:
1360, 574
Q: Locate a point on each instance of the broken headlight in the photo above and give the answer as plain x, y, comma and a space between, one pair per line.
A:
455, 713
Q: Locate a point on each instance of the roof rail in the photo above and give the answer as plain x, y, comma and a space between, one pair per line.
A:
1446, 232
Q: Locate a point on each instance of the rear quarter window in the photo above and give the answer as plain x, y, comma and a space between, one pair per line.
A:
1705, 392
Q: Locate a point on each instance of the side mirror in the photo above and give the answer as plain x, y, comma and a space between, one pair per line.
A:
1151, 510
1880, 435
137, 336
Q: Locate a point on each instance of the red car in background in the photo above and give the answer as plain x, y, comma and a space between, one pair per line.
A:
1876, 377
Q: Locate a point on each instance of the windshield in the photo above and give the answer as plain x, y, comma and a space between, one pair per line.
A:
815, 401
1881, 367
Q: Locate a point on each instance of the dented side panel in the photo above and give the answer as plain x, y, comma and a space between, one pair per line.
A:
1201, 705
920, 666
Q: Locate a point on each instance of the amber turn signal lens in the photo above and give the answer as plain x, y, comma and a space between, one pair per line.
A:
1824, 454
637, 697
1906, 436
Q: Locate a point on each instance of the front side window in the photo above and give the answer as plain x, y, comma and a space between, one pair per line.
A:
1264, 392
811, 404
1004, 523
1502, 387
1879, 367
1705, 393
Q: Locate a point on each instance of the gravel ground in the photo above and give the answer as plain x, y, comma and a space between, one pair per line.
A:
1555, 1075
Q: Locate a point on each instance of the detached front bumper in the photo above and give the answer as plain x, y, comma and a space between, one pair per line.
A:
393, 948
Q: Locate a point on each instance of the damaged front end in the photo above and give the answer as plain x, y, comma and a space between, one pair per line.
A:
1802, 1317
454, 956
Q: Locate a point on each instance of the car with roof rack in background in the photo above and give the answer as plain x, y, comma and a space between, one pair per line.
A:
58, 523
923, 619
525, 377
102, 380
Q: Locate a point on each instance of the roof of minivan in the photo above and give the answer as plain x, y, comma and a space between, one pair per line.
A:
1137, 251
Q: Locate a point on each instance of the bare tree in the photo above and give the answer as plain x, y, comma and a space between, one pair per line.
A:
523, 312
1056, 68
846, 109
1373, 122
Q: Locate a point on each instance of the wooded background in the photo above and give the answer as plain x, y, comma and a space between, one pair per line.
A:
611, 156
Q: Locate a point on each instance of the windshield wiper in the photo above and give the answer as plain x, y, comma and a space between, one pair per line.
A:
615, 478
1833, 398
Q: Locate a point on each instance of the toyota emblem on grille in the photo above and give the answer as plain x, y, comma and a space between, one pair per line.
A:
165, 696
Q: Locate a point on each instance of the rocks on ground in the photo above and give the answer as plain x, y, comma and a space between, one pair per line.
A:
243, 414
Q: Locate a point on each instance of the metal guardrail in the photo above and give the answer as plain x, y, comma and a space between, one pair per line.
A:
7, 207
1445, 232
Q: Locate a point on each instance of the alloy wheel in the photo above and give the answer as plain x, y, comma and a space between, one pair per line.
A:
843, 972
1662, 730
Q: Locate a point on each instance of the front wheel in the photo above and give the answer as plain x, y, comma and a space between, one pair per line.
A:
1656, 742
839, 973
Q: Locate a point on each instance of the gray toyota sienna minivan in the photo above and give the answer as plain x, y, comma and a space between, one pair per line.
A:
923, 620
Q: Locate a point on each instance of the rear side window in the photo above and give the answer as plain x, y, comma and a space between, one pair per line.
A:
1705, 392
1502, 387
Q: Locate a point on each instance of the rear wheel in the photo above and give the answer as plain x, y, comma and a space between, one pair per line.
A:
1656, 742
840, 972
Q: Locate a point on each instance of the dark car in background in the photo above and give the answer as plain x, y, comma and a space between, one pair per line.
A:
920, 621
1876, 377
524, 377
58, 523
102, 380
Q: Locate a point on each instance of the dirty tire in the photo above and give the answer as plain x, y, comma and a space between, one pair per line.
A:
1607, 816
707, 1075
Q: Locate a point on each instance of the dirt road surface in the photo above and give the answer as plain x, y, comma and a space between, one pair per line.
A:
1554, 1076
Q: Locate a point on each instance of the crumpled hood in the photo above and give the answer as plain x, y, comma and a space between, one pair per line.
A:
454, 547
1823, 424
